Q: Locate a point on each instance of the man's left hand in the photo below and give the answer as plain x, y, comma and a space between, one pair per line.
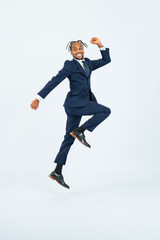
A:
97, 41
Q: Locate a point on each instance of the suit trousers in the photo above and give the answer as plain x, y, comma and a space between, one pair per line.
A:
74, 115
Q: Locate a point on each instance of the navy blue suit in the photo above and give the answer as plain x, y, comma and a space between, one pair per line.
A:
80, 100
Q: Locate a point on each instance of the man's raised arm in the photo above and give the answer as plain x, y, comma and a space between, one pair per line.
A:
104, 52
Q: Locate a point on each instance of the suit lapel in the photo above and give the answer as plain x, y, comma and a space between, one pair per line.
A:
81, 68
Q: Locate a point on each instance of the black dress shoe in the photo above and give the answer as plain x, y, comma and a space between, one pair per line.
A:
59, 178
80, 136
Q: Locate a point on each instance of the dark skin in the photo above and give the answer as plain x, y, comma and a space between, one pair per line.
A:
77, 52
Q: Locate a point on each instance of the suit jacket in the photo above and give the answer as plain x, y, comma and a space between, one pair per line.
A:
80, 86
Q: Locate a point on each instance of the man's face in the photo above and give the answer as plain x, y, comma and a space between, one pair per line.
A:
77, 50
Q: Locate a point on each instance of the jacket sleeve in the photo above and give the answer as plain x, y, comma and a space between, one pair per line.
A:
103, 61
62, 74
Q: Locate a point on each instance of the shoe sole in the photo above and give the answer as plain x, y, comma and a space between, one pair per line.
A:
78, 139
56, 181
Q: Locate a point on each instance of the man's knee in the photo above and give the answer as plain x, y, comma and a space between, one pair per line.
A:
107, 111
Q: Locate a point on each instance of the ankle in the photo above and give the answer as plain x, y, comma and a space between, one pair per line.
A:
81, 129
58, 168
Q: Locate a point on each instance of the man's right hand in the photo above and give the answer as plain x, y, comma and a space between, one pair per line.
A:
34, 104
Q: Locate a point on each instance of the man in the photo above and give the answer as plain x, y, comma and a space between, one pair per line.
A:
79, 101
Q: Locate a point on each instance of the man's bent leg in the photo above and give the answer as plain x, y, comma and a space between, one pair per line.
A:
99, 111
98, 118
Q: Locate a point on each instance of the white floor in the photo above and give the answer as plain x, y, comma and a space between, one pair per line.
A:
33, 206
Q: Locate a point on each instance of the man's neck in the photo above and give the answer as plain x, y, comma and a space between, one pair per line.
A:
79, 59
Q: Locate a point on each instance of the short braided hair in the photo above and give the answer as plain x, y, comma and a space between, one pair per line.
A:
71, 42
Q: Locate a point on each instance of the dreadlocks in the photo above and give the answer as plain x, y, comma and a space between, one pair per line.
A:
71, 42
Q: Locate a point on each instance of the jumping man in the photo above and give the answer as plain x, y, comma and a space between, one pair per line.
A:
79, 101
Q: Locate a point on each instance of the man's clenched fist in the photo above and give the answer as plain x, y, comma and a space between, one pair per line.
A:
97, 41
35, 104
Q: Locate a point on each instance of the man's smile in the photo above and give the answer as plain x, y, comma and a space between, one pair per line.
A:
79, 54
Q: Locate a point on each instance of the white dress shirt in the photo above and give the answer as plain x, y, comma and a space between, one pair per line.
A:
80, 61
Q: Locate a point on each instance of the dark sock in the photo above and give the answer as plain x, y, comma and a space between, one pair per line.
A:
81, 129
58, 168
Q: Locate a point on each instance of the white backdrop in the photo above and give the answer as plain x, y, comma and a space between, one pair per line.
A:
114, 186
